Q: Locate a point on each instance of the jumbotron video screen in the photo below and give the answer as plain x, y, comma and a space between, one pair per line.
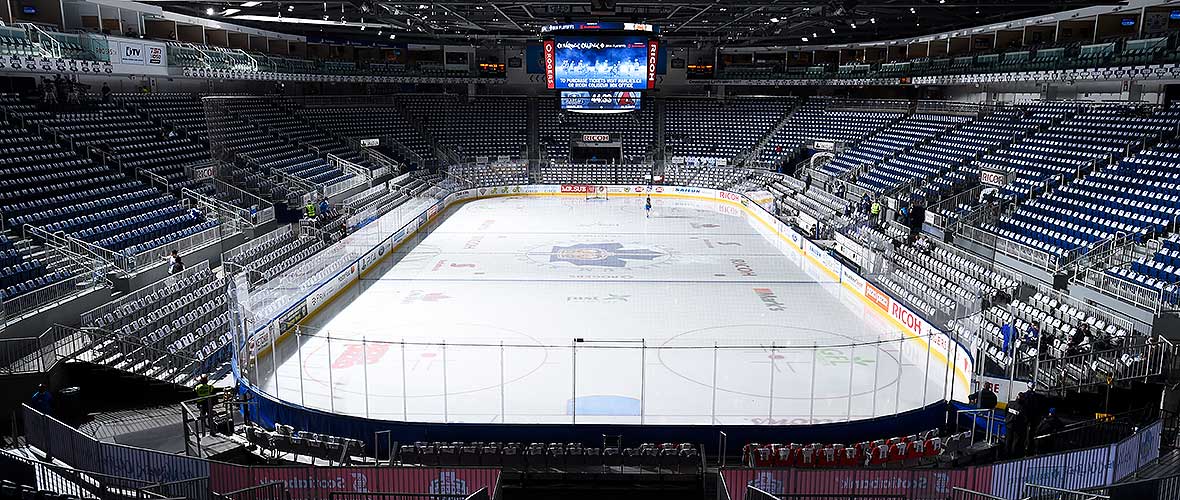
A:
601, 62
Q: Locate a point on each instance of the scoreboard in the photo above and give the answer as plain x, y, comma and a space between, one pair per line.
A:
601, 101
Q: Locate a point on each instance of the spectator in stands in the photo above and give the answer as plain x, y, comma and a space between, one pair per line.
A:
917, 217
1033, 332
1079, 337
924, 245
1016, 423
42, 400
875, 212
865, 204
1045, 438
106, 93
175, 265
196, 214
806, 181
205, 392
59, 89
324, 208
983, 399
904, 213
1008, 333
45, 88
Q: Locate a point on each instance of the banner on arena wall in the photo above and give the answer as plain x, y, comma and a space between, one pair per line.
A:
149, 465
368, 143
1073, 470
313, 483
578, 188
1133, 452
137, 53
550, 49
653, 55
912, 484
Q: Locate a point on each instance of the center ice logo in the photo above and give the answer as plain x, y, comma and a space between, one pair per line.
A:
601, 254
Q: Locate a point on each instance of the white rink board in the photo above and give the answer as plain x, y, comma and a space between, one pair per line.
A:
649, 297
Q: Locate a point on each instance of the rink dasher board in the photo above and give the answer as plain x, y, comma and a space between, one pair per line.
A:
946, 350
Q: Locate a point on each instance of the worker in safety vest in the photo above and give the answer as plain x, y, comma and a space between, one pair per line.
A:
204, 391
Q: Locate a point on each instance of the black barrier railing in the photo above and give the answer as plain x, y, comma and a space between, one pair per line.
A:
373, 495
274, 490
1098, 431
67, 481
958, 493
1156, 488
192, 489
128, 470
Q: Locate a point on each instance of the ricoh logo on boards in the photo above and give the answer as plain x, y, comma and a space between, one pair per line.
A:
770, 300
907, 318
743, 267
725, 195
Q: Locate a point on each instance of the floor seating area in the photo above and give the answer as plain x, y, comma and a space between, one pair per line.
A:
1134, 197
575, 173
284, 439
1159, 271
480, 126
377, 120
896, 138
901, 451
812, 121
736, 125
185, 315
51, 186
557, 127
939, 159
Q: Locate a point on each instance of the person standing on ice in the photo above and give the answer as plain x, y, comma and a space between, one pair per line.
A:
647, 207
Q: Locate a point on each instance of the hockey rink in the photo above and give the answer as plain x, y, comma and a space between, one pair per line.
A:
567, 310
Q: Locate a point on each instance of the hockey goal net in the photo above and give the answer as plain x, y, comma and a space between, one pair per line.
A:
596, 193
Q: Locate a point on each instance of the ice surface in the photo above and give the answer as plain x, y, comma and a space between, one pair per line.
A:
561, 310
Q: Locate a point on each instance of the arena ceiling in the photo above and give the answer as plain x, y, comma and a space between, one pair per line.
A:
729, 22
